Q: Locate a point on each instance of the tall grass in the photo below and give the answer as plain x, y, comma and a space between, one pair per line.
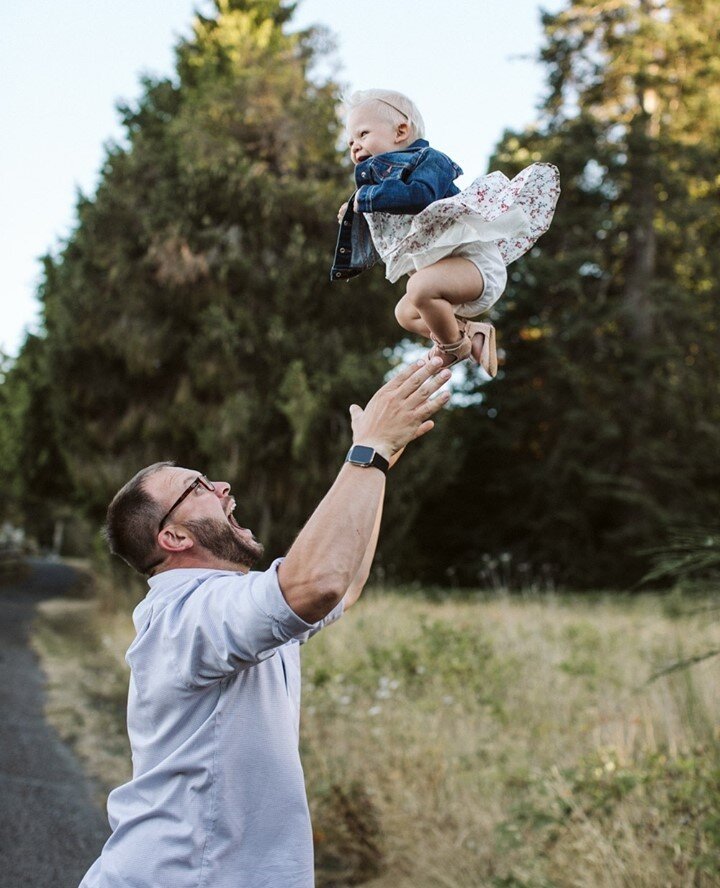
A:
496, 742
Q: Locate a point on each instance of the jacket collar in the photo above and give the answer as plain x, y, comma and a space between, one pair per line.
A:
417, 145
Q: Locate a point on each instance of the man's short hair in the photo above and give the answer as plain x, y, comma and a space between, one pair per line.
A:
132, 521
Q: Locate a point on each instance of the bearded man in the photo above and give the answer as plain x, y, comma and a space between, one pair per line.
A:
217, 797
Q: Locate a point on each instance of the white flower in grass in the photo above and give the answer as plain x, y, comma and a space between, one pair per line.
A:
384, 691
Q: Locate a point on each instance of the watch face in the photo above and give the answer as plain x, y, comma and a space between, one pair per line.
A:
361, 454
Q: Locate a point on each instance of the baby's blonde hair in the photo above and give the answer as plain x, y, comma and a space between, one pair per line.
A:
393, 106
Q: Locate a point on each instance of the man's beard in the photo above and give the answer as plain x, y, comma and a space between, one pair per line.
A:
222, 541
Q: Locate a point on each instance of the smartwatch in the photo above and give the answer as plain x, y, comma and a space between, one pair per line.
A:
361, 455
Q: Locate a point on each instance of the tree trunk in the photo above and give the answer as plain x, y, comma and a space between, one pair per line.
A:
642, 251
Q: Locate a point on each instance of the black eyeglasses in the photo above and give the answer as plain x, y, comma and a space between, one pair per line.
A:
200, 481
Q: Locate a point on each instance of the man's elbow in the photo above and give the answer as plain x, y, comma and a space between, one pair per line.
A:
313, 598
330, 593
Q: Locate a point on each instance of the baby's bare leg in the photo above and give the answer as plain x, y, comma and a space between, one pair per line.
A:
434, 291
409, 318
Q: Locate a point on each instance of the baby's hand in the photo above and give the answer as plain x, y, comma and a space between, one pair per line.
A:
342, 211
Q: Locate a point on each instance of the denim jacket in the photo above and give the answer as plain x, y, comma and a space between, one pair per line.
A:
402, 182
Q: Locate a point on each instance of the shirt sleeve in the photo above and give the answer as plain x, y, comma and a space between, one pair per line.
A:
334, 615
427, 182
231, 622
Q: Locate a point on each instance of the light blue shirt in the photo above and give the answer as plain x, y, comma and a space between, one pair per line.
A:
217, 797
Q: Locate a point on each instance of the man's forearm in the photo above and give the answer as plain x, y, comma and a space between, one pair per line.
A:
330, 551
361, 577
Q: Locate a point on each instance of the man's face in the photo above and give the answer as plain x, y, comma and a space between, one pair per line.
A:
206, 514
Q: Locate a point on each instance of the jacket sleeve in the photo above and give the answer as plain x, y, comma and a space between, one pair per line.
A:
428, 182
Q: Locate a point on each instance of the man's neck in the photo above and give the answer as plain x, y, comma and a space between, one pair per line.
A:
201, 560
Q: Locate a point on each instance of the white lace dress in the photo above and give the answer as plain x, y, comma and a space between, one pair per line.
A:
505, 215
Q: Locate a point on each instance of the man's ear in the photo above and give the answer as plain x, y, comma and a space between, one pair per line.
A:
174, 538
402, 132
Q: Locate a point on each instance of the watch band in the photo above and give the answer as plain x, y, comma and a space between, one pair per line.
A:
366, 457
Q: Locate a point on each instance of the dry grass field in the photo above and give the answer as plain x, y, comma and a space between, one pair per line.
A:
494, 741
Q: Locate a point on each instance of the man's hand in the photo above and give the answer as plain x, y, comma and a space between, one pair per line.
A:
341, 212
395, 457
355, 413
400, 411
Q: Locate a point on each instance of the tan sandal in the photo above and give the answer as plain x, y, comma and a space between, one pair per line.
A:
483, 349
452, 352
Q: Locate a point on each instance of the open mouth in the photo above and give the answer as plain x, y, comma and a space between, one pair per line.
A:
245, 531
231, 517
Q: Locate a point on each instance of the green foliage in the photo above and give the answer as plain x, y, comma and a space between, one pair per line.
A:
190, 315
691, 556
457, 662
656, 795
690, 552
602, 430
33, 477
13, 406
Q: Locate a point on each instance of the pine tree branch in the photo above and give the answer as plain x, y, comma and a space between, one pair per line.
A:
682, 664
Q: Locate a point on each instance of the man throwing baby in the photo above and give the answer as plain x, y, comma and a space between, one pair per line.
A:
217, 797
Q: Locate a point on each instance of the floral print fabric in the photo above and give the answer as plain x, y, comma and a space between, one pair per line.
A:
512, 213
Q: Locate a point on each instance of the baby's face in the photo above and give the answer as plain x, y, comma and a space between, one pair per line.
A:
369, 134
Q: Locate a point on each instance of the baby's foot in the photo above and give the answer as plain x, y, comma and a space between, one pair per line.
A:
451, 353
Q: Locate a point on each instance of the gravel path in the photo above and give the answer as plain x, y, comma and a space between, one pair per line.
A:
51, 830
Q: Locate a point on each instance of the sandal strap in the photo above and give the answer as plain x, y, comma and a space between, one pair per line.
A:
458, 350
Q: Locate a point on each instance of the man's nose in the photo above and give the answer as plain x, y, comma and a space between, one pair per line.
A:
222, 489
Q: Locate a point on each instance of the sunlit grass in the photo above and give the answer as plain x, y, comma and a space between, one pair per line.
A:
495, 742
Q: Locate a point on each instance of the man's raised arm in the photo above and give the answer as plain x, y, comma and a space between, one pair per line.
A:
328, 554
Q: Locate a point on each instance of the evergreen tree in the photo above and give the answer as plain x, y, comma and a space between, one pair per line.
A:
33, 478
190, 315
603, 429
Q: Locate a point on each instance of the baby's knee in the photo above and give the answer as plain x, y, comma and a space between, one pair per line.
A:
419, 290
404, 312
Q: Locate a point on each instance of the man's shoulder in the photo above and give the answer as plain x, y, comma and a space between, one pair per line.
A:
177, 576
181, 584
180, 581
182, 576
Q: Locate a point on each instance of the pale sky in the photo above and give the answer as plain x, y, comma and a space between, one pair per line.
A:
467, 64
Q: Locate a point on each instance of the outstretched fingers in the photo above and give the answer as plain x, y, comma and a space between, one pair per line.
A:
413, 376
430, 406
416, 385
423, 428
428, 388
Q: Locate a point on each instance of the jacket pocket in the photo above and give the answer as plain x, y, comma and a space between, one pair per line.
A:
382, 170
